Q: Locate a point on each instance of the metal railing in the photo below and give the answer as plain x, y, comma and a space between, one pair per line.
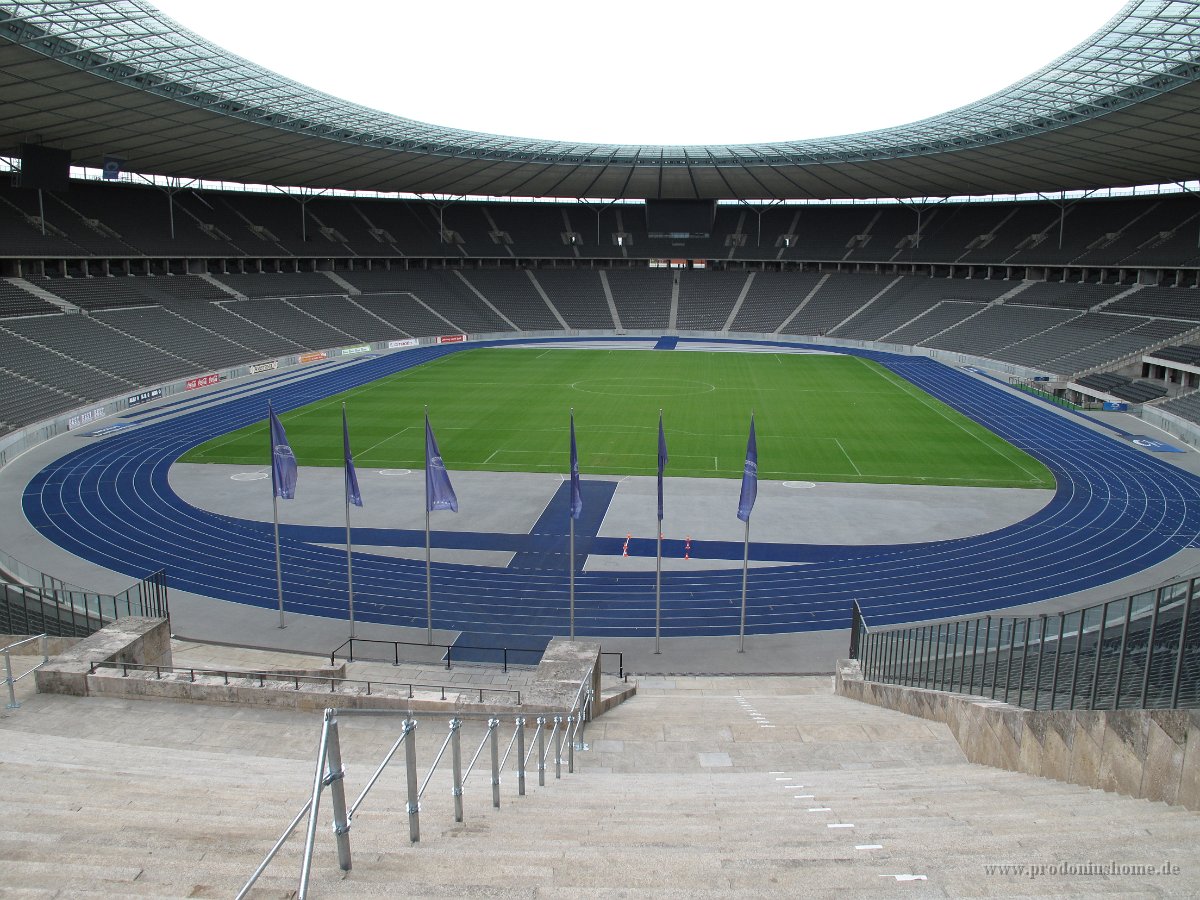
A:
536, 655
334, 682
9, 680
330, 773
1137, 652
63, 610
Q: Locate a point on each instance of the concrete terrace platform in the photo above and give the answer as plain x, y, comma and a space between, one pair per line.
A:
698, 787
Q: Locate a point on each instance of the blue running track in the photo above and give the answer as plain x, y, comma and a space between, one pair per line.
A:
1115, 512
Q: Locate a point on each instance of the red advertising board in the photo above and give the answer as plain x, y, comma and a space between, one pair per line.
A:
451, 338
313, 357
202, 381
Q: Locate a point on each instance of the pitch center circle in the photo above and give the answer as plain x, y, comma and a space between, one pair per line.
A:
645, 387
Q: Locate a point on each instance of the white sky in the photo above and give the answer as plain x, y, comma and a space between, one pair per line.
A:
652, 72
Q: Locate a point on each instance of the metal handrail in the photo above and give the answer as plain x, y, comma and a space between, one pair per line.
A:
450, 648
262, 866
78, 612
329, 773
455, 724
13, 703
1137, 651
409, 727
263, 676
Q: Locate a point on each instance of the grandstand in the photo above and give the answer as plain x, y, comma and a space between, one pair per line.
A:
143, 316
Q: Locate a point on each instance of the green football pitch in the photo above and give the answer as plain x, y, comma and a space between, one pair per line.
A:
818, 418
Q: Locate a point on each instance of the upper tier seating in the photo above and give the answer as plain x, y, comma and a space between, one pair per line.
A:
116, 220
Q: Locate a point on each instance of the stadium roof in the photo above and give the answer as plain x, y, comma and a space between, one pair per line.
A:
120, 78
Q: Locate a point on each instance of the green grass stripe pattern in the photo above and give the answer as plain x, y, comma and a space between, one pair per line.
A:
819, 418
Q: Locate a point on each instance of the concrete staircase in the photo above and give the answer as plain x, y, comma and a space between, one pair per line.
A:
701, 787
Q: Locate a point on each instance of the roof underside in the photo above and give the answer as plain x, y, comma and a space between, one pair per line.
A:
119, 78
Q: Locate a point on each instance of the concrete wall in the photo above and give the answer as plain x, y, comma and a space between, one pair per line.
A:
133, 639
564, 666
1153, 754
54, 645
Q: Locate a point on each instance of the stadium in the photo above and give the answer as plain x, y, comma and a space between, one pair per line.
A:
615, 456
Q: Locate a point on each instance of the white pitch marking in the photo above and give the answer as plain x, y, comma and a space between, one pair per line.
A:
847, 455
868, 846
840, 825
906, 877
819, 809
384, 441
766, 726
804, 797
782, 779
777, 773
792, 787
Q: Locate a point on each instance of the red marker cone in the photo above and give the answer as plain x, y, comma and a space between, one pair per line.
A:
687, 548
625, 548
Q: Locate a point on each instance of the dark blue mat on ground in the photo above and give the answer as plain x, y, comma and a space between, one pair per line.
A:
1153, 444
476, 646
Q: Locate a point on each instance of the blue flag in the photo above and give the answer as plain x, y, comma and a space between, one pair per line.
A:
352, 493
662, 463
576, 496
439, 493
283, 460
749, 477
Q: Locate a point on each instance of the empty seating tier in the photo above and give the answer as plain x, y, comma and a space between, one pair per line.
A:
16, 301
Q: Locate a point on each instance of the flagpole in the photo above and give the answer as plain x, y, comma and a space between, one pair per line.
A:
428, 562
662, 462
275, 516
745, 507
349, 549
658, 591
278, 561
349, 570
745, 574
571, 565
658, 563
571, 557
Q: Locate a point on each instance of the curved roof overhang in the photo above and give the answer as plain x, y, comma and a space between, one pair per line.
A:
119, 78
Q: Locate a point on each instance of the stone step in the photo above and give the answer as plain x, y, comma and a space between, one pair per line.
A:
190, 798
